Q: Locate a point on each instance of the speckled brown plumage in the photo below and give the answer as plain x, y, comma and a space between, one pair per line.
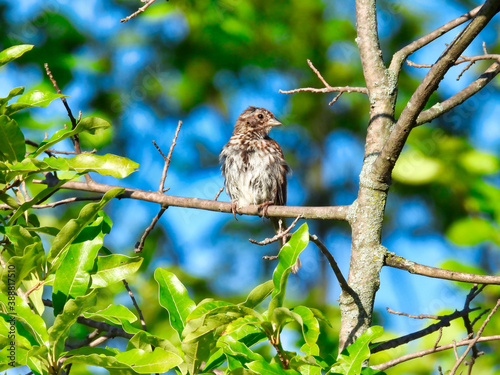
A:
253, 164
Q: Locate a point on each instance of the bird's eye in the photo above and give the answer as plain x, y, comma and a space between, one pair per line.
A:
261, 116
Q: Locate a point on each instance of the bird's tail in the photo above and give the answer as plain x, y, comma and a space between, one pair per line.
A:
279, 225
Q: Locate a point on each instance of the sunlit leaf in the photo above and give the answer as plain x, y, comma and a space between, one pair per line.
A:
113, 268
351, 359
114, 314
14, 52
174, 297
59, 331
287, 258
72, 277
74, 226
12, 146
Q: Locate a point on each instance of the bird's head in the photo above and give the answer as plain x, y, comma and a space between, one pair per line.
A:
258, 121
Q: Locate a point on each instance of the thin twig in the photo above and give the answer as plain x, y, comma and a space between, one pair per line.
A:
55, 204
168, 157
440, 334
421, 316
444, 321
408, 357
475, 340
136, 305
52, 151
318, 74
140, 10
333, 264
140, 245
219, 193
327, 87
267, 241
75, 139
336, 98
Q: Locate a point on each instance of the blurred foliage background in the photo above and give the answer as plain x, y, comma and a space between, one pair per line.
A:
205, 61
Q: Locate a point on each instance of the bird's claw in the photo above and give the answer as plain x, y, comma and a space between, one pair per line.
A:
264, 207
234, 207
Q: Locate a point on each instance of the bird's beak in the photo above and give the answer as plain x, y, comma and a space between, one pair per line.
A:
274, 122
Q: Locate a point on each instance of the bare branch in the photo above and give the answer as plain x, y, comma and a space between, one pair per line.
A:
328, 88
167, 158
279, 235
400, 56
219, 193
444, 321
474, 341
407, 357
75, 139
139, 11
136, 305
421, 316
393, 260
390, 152
348, 89
140, 245
324, 213
460, 97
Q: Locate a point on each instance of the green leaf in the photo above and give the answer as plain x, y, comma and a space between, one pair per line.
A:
35, 98
310, 325
158, 361
73, 227
351, 359
12, 146
206, 306
308, 364
14, 92
33, 256
72, 278
173, 297
146, 341
287, 258
108, 165
140, 361
22, 312
265, 368
7, 199
88, 125
259, 294
94, 124
113, 268
113, 314
14, 52
472, 231
36, 199
238, 350
59, 332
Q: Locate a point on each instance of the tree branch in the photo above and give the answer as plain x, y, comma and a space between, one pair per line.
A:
400, 56
460, 97
328, 88
139, 11
393, 260
407, 357
444, 321
325, 213
474, 341
387, 158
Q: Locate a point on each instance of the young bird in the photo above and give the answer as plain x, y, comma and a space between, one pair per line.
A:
254, 167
